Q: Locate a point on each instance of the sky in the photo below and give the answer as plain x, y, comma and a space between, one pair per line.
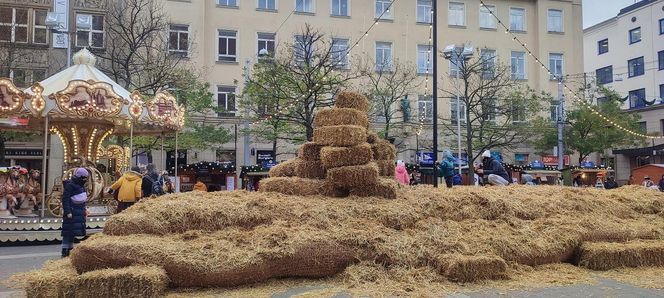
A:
596, 11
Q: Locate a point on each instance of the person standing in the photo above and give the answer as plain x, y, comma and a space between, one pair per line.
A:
447, 168
151, 183
401, 174
200, 186
166, 182
73, 207
493, 170
128, 188
611, 183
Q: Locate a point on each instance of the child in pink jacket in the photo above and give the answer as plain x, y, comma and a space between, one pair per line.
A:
401, 174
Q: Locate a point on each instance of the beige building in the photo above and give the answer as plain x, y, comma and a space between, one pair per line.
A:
227, 35
626, 53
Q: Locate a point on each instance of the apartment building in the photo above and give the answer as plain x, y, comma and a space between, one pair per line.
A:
227, 35
30, 52
626, 53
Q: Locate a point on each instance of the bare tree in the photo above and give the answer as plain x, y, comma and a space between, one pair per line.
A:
386, 87
137, 55
497, 106
302, 78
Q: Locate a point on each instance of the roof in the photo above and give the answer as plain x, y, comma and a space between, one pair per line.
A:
645, 151
636, 6
658, 165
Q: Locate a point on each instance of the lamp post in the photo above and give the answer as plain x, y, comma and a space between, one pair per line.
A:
434, 50
262, 54
459, 56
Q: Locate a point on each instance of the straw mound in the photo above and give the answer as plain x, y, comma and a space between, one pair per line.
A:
341, 116
232, 238
340, 135
309, 151
59, 279
284, 169
605, 256
333, 157
352, 100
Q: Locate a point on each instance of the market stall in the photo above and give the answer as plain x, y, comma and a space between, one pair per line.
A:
538, 171
217, 176
252, 175
587, 175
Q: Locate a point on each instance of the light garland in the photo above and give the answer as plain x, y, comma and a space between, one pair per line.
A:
91, 140
60, 135
572, 94
92, 90
16, 96
74, 134
426, 80
37, 101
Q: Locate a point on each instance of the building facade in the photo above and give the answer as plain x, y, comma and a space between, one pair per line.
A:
626, 53
228, 34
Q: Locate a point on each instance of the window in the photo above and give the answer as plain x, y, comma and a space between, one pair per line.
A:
423, 59
554, 109
424, 11
39, 30
227, 46
635, 35
383, 8
383, 56
661, 26
178, 40
486, 19
637, 98
661, 126
602, 100
457, 14
26, 77
660, 58
304, 6
635, 67
226, 101
643, 126
556, 66
231, 3
555, 20
300, 49
521, 159
425, 108
488, 63
518, 113
93, 37
661, 93
340, 8
266, 41
518, 65
604, 75
517, 19
14, 24
453, 110
489, 109
267, 4
339, 51
602, 46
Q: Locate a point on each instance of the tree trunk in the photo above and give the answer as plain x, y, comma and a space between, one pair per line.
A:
274, 149
2, 150
310, 133
469, 151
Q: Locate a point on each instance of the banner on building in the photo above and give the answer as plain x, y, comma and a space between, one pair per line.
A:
551, 160
61, 8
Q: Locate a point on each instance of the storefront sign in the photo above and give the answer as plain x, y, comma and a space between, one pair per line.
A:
24, 152
550, 160
264, 156
268, 164
426, 158
230, 183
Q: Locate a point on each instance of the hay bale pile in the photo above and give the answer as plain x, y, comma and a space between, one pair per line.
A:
464, 234
345, 157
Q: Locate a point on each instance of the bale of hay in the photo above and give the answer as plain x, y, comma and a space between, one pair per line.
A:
463, 268
383, 150
352, 100
132, 281
207, 262
284, 169
333, 157
294, 186
340, 135
351, 177
57, 278
385, 188
341, 116
372, 137
309, 151
310, 169
607, 255
385, 167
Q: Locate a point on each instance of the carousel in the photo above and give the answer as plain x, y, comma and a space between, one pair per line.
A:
82, 107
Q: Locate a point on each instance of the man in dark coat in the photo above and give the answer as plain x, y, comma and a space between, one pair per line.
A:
73, 206
610, 183
149, 179
493, 170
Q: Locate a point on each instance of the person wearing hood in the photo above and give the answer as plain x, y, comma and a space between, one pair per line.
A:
148, 187
401, 174
74, 197
200, 186
493, 170
527, 179
447, 168
129, 188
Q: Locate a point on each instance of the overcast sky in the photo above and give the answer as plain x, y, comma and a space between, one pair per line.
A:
596, 11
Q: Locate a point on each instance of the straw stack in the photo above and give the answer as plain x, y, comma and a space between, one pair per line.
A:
345, 157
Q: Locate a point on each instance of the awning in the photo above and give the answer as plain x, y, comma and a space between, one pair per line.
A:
645, 151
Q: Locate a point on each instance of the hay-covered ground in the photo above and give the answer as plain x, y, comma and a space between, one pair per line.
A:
425, 241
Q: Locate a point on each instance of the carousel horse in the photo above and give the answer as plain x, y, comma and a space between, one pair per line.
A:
32, 195
13, 188
4, 207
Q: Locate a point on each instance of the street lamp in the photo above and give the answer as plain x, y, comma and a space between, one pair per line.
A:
458, 56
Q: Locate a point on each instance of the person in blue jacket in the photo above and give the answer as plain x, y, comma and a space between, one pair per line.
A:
73, 207
447, 167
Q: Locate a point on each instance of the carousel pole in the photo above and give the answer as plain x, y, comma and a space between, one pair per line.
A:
43, 173
162, 151
131, 144
177, 156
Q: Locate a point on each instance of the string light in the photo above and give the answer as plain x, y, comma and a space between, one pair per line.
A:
421, 113
573, 94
